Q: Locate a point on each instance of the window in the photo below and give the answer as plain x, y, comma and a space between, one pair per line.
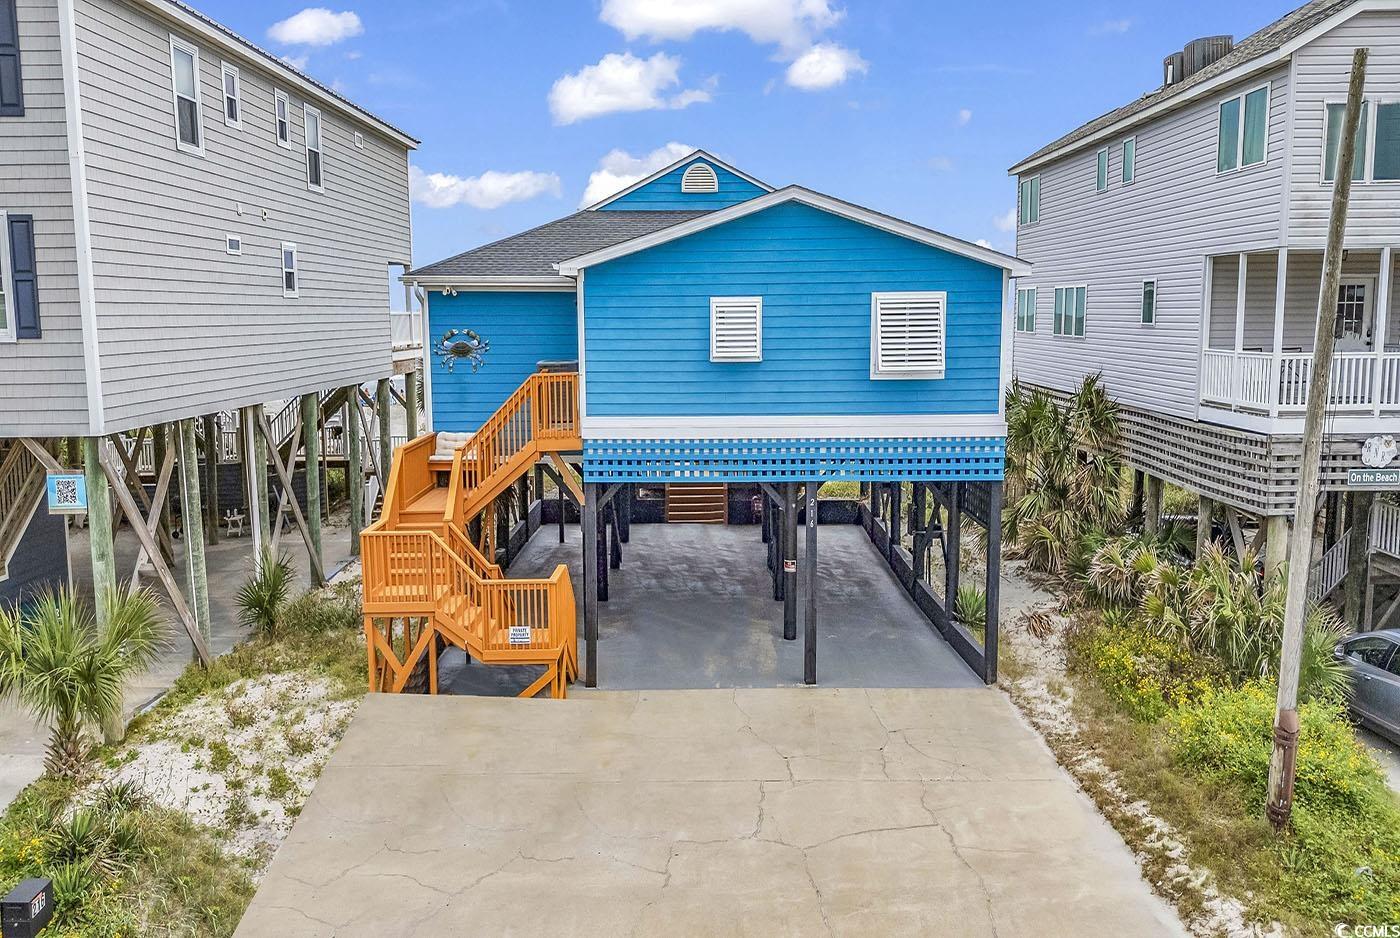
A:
699, 177
1025, 310
290, 271
1243, 137
736, 328
233, 91
281, 117
1129, 160
1030, 200
1101, 180
233, 244
11, 85
1335, 116
1385, 160
313, 148
184, 68
19, 292
1069, 310
1374, 650
1377, 151
1149, 302
908, 334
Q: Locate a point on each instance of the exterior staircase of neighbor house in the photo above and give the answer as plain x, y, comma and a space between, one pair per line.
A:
21, 488
425, 582
697, 503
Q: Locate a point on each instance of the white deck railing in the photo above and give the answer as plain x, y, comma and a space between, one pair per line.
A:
1243, 380
1385, 528
406, 329
1329, 572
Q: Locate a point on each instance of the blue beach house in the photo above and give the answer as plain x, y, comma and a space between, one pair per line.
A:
725, 333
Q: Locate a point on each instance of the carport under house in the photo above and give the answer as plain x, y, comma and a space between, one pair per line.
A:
699, 329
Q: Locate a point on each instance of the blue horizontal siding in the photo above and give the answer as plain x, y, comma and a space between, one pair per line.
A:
523, 329
664, 193
648, 322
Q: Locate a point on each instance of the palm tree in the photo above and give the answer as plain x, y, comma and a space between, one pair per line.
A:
57, 664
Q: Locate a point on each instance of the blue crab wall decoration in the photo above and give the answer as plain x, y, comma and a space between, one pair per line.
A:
461, 345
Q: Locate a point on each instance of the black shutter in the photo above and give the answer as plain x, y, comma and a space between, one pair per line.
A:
11, 89
23, 282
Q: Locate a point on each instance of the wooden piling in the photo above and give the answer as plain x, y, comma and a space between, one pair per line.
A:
192, 522
311, 446
354, 469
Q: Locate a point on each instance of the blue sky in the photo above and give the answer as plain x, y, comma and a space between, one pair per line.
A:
913, 108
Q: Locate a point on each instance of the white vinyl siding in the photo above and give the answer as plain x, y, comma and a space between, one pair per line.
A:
1025, 310
1129, 153
1070, 303
736, 328
1149, 302
908, 334
1101, 171
315, 164
232, 95
184, 82
1242, 139
291, 273
1030, 201
282, 118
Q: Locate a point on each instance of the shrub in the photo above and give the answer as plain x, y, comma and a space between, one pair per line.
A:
971, 606
1146, 674
336, 608
262, 597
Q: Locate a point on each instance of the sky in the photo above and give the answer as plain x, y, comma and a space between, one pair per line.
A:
527, 109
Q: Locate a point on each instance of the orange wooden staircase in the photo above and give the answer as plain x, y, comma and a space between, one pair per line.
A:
425, 580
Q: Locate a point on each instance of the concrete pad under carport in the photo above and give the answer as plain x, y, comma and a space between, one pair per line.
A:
692, 607
760, 811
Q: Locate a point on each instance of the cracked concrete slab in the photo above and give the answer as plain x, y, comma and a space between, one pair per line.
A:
793, 811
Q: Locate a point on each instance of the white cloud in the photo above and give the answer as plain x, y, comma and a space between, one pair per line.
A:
622, 82
491, 189
1006, 222
940, 164
353, 54
297, 62
316, 26
964, 117
619, 169
983, 243
1112, 28
791, 24
824, 66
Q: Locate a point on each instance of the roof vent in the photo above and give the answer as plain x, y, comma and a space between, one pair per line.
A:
1198, 54
700, 177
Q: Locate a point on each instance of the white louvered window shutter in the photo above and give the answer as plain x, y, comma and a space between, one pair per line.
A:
909, 335
700, 177
736, 328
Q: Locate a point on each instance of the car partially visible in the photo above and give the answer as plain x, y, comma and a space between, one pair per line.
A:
1374, 658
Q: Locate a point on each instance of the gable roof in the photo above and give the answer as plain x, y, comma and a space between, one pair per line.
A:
180, 13
536, 252
689, 157
1260, 50
817, 200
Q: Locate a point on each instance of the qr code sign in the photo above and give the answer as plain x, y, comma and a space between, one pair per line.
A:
65, 493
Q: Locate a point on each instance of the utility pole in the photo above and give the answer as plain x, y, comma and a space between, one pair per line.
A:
1283, 763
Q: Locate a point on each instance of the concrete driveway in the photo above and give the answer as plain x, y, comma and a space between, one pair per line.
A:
785, 811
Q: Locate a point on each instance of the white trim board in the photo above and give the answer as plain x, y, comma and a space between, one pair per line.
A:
692, 155
825, 203
444, 283
794, 427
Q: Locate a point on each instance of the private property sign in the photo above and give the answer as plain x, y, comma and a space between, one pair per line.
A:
67, 493
1373, 478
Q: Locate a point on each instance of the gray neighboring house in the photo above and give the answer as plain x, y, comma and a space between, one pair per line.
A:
1177, 247
188, 226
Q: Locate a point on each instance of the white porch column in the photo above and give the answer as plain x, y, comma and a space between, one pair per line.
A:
1280, 293
1380, 326
1236, 367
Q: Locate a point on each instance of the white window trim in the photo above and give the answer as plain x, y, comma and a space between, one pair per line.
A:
177, 43
226, 69
228, 244
320, 146
1071, 335
1035, 298
1268, 89
757, 301
1102, 155
282, 268
1141, 290
359, 140
9, 332
1026, 224
917, 374
1372, 105
278, 95
1122, 149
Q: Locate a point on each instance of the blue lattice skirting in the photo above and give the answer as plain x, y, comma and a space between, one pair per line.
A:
958, 459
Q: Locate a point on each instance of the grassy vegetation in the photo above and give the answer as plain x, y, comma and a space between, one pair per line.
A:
839, 490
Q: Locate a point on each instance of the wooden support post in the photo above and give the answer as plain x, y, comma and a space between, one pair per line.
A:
1136, 508
211, 476
588, 517
160, 444
896, 529
789, 561
1205, 518
1152, 507
600, 523
154, 505
354, 471
104, 563
254, 480
1275, 543
311, 444
991, 639
624, 497
920, 528
559, 487
1359, 558
614, 538
383, 406
809, 588
192, 522
410, 403
1332, 526
952, 551
284, 477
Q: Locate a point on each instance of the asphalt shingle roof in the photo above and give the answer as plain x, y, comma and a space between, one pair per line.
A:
532, 253
1261, 43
